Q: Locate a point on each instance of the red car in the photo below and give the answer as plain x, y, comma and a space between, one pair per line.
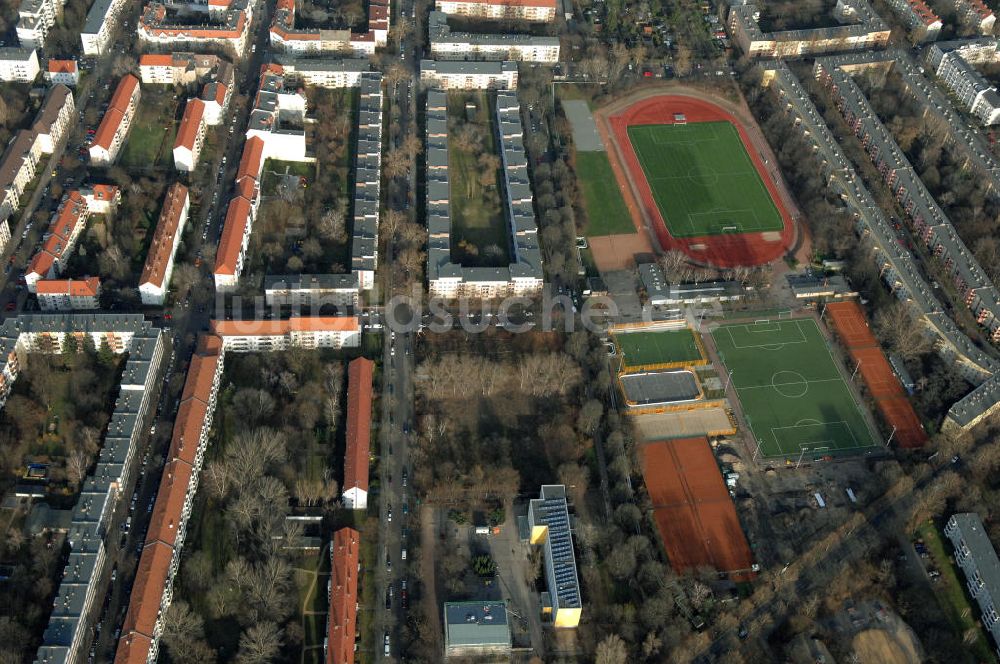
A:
10, 306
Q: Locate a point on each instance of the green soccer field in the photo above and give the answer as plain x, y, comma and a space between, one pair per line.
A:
642, 348
703, 180
606, 211
794, 398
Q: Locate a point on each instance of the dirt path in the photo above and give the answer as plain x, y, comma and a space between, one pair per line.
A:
428, 547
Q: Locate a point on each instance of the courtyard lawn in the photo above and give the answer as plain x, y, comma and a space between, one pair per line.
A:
150, 140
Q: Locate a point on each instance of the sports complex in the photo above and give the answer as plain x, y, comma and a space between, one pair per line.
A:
699, 181
793, 395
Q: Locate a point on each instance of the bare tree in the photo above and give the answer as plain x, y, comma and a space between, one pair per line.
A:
260, 644
76, 467
611, 650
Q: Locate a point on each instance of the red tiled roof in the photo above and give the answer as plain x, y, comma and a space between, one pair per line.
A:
156, 60
123, 93
343, 617
359, 418
514, 3
187, 133
70, 213
148, 588
252, 161
89, 287
167, 227
62, 66
169, 508
200, 377
108, 128
133, 648
254, 328
231, 243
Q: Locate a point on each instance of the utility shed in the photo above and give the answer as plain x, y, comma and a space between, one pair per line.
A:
476, 628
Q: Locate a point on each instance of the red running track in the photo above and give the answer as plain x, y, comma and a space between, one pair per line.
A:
729, 250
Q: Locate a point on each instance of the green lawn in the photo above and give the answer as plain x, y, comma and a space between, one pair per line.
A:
793, 395
150, 141
477, 214
606, 211
640, 348
703, 180
950, 592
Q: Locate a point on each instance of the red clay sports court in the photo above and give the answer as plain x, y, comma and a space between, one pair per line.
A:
692, 508
720, 250
852, 327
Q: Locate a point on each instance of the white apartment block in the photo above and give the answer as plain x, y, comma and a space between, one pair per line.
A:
324, 72
18, 64
190, 136
117, 121
277, 105
69, 294
538, 11
448, 45
953, 62
862, 30
975, 554
228, 29
308, 332
975, 14
66, 72
34, 19
98, 29
287, 38
55, 118
458, 75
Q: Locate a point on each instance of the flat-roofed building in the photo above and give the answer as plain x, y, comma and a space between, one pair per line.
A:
476, 629
117, 121
538, 11
311, 290
155, 279
324, 72
18, 64
449, 45
190, 136
464, 75
69, 294
66, 72
359, 419
549, 523
342, 595
976, 555
309, 332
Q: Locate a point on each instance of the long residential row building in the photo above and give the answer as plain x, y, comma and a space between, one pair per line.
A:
929, 221
861, 29
468, 75
23, 154
286, 37
342, 597
117, 121
447, 278
99, 27
976, 555
156, 273
538, 11
82, 586
897, 266
227, 28
449, 45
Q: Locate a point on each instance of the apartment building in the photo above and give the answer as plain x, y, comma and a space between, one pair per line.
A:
180, 68
155, 279
309, 332
975, 554
64, 231
449, 45
862, 29
18, 64
190, 136
536, 11
953, 63
549, 524
924, 25
117, 121
523, 275
34, 20
359, 420
367, 179
278, 117
152, 590
311, 290
20, 159
66, 72
228, 29
324, 72
240, 215
101, 22
456, 75
342, 595
69, 294
80, 587
287, 38
975, 14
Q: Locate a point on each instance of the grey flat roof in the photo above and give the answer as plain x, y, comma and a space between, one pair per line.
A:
476, 625
660, 387
981, 550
